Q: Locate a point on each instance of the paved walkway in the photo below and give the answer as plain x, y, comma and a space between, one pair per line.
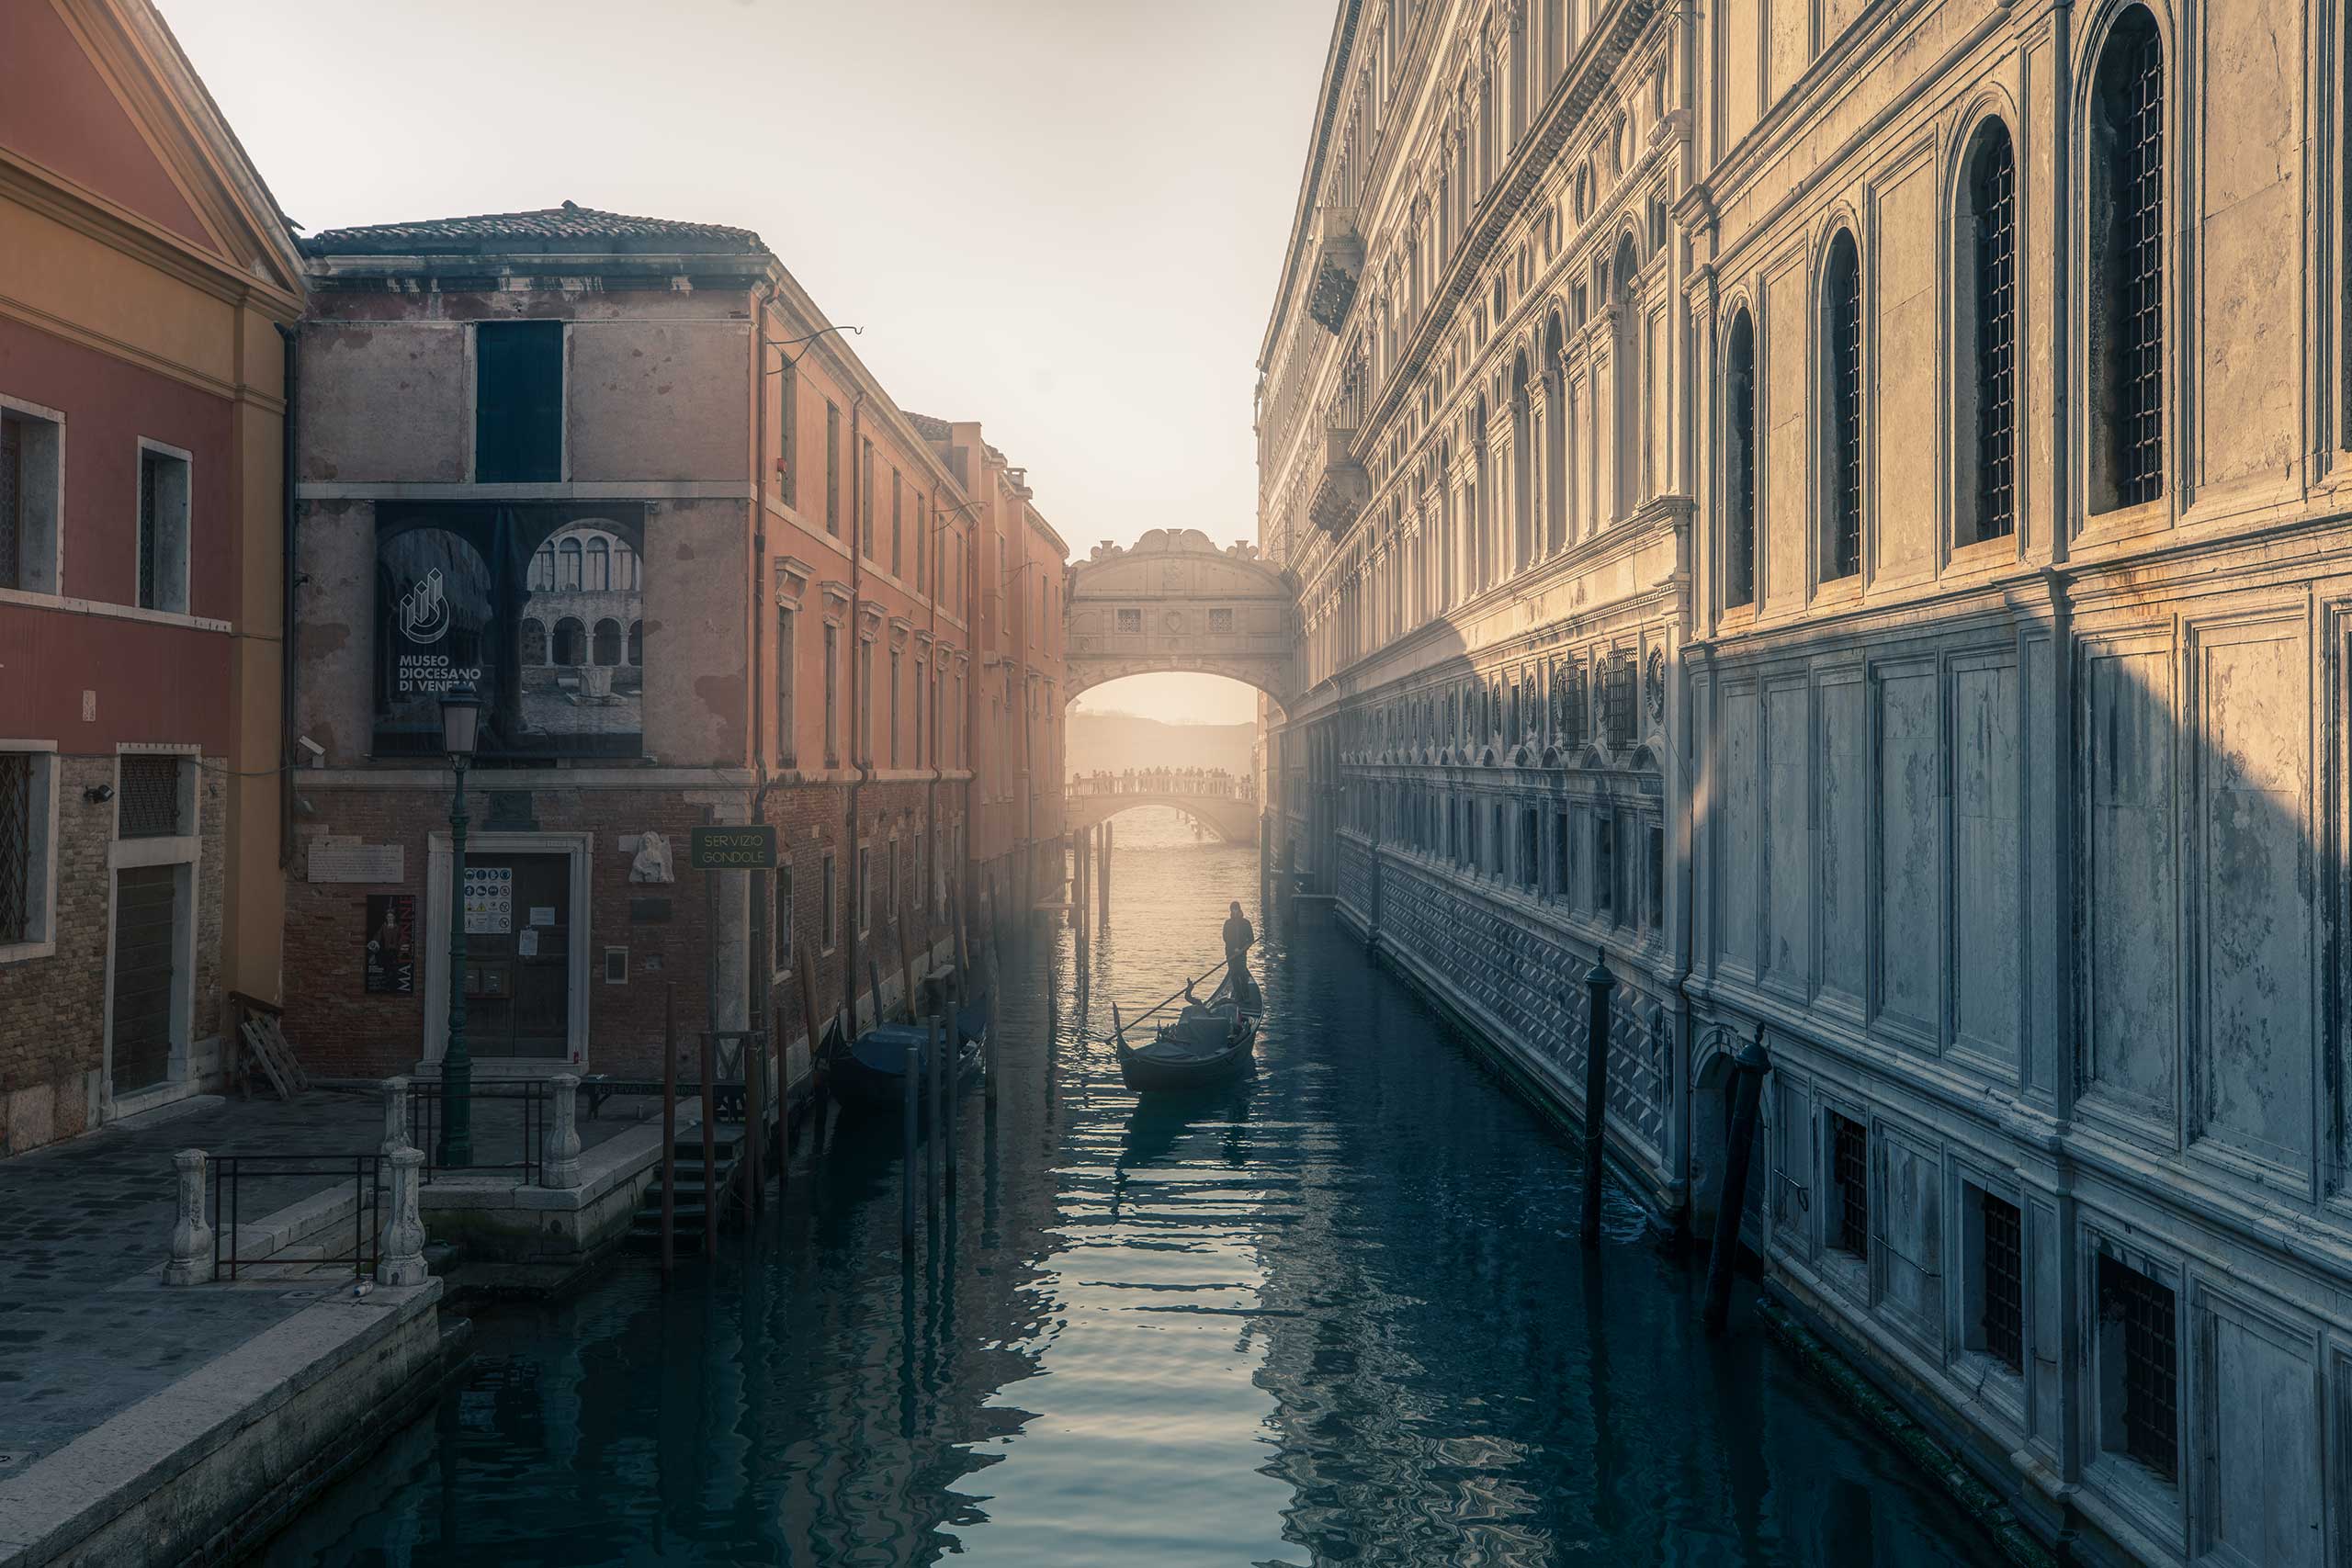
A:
87, 1327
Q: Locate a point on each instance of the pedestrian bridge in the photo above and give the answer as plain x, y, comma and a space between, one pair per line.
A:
1175, 602
1228, 816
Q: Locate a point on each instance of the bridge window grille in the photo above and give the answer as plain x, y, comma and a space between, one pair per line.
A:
1131, 620
1617, 701
1842, 328
1993, 194
2128, 132
149, 807
1739, 528
1849, 1176
2138, 1343
2001, 1316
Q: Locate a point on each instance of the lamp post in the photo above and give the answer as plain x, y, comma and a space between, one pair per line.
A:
460, 719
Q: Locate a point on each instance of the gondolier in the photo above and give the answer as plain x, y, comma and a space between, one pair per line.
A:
1238, 937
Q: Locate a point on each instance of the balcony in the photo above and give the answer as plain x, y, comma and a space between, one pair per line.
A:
1339, 262
1342, 486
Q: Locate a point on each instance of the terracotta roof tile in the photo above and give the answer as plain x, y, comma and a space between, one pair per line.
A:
550, 229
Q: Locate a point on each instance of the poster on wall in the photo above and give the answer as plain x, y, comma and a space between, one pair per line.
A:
489, 900
538, 607
391, 966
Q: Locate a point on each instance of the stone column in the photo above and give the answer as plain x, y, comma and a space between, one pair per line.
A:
403, 1257
191, 1237
395, 1114
560, 1161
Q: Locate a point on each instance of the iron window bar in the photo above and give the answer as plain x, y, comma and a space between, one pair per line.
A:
1993, 182
2001, 1317
2149, 1340
1739, 587
1851, 1171
1845, 301
2132, 87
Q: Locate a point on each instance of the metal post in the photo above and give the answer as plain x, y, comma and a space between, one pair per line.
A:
1600, 982
989, 1067
755, 1121
1103, 880
953, 1126
937, 1061
456, 1064
668, 1126
709, 1147
1751, 1064
913, 1081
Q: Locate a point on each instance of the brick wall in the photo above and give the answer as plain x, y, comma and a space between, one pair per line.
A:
53, 1010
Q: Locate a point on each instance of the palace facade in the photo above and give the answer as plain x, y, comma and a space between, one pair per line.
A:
1843, 512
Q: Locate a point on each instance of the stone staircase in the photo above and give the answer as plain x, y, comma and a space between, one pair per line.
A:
698, 1189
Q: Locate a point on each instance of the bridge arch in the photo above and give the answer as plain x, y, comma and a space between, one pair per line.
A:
1174, 602
1228, 816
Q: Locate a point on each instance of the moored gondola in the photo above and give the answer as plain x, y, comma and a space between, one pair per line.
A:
1205, 1044
870, 1074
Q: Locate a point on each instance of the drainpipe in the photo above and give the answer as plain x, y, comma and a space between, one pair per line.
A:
289, 341
759, 973
857, 695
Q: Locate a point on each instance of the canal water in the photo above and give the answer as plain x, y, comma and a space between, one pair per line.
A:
1337, 1314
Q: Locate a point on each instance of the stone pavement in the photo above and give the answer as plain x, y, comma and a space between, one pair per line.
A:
87, 1328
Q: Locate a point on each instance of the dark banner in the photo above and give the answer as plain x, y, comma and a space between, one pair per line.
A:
391, 944
540, 606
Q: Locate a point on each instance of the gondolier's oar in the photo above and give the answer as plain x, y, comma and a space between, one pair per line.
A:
1182, 990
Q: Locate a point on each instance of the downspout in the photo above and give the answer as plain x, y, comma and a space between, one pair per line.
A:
289, 341
759, 973
933, 870
857, 695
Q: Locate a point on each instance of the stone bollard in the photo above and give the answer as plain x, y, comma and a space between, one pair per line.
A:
403, 1259
395, 1115
191, 1237
560, 1161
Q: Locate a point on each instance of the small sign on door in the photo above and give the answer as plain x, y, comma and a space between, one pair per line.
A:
489, 900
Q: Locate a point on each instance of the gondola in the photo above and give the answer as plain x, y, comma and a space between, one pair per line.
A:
1205, 1044
871, 1074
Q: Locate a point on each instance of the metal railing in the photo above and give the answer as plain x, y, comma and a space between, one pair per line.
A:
366, 1174
525, 1139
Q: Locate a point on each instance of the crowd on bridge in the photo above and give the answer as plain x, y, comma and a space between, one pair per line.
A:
1165, 781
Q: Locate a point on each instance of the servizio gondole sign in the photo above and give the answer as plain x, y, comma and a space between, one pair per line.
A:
749, 848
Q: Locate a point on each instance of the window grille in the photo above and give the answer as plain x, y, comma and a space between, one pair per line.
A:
151, 797
16, 846
1739, 542
1993, 187
1843, 292
2141, 1312
1617, 701
150, 529
1850, 1171
2002, 1317
1572, 706
12, 491
2132, 87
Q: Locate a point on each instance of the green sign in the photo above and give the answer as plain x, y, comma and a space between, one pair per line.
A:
732, 849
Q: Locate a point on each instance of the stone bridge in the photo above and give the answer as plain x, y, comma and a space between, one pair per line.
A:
1228, 816
1174, 601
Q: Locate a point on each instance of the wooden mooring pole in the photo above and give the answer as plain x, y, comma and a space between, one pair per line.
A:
668, 1126
709, 1146
914, 1082
1751, 1062
1600, 982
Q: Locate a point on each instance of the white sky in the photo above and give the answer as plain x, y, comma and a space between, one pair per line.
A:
1061, 218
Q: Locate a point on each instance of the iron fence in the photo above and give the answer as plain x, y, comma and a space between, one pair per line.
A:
365, 1172
524, 1137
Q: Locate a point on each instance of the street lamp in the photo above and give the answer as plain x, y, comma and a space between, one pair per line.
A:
460, 721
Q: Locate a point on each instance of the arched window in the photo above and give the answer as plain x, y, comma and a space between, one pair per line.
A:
534, 643
599, 574
1739, 463
1555, 439
2126, 270
623, 568
636, 644
571, 641
1991, 299
1522, 452
1841, 340
542, 578
567, 567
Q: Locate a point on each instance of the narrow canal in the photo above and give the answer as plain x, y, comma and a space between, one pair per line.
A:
1338, 1315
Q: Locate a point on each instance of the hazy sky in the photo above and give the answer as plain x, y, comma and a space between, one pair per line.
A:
1061, 218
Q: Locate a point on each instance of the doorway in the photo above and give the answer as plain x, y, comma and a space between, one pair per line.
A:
518, 956
146, 960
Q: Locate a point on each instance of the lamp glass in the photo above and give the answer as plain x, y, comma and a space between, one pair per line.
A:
460, 719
